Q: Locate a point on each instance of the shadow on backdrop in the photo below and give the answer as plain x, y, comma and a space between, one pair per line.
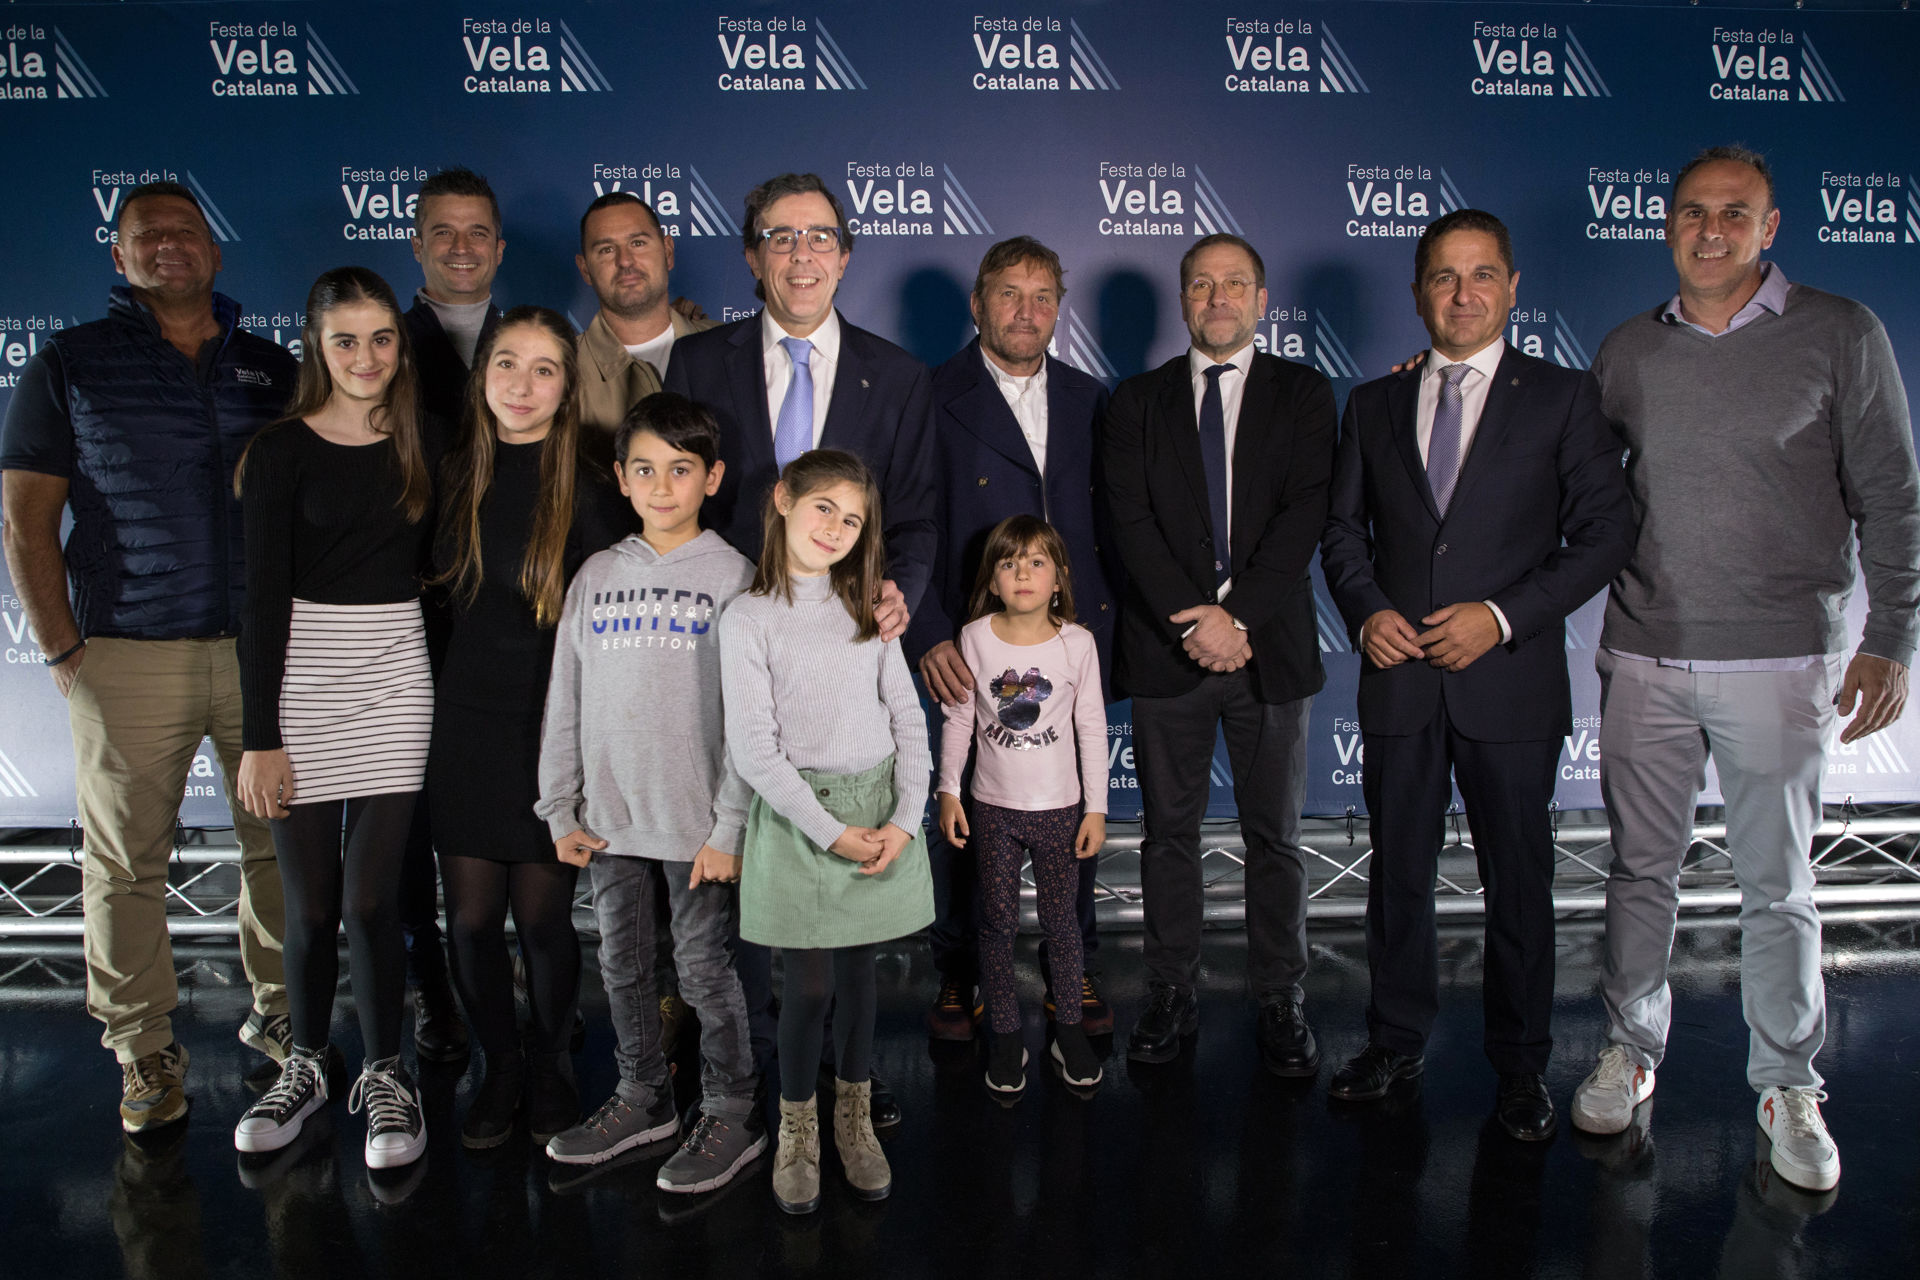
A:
1128, 321
934, 319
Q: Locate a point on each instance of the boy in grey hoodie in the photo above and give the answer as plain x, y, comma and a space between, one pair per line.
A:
633, 768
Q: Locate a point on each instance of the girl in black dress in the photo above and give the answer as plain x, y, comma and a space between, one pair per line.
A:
521, 508
336, 694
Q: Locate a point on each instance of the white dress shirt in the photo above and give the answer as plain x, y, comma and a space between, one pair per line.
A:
779, 367
1233, 389
655, 351
1473, 402
1027, 397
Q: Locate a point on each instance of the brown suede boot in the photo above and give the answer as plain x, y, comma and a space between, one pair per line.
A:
860, 1154
796, 1164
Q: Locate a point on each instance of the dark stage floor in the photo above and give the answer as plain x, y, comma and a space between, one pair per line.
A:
1206, 1166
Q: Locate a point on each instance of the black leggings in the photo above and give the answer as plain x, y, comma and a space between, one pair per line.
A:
840, 978
479, 893
335, 871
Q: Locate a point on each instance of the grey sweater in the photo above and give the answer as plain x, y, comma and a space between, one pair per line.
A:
801, 694
632, 748
1753, 459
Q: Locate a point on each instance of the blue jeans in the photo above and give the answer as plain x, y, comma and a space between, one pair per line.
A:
624, 900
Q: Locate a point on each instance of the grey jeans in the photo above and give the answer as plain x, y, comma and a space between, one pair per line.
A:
1766, 732
624, 890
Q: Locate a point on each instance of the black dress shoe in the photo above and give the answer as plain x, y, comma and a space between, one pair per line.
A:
1171, 1014
1524, 1108
1371, 1072
1287, 1047
439, 1033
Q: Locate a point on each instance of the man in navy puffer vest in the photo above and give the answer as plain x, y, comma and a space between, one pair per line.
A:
135, 423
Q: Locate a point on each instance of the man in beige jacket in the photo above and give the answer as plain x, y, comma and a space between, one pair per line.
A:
625, 255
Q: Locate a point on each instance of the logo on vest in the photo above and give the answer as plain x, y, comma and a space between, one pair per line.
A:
1277, 56
40, 62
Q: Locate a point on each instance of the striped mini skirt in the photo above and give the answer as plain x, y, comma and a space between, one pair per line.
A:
356, 703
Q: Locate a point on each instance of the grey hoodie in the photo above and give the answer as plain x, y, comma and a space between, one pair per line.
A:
632, 747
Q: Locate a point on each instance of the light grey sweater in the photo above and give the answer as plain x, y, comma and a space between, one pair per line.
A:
631, 748
1754, 458
802, 694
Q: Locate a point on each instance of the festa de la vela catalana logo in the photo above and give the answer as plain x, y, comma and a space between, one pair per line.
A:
1880, 206
1532, 60
38, 63
1769, 64
1036, 53
1160, 198
909, 198
1397, 201
526, 55
1276, 55
679, 197
280, 59
761, 54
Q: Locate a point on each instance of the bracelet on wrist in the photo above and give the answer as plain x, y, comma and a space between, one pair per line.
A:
54, 662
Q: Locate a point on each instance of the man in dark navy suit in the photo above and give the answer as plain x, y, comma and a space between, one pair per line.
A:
1477, 501
1013, 435
1215, 469
797, 377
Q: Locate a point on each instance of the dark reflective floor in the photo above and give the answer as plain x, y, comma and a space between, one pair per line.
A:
1206, 1166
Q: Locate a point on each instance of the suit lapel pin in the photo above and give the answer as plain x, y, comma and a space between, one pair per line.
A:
1515, 382
865, 383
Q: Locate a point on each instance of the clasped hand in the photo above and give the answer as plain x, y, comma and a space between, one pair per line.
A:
873, 849
1213, 640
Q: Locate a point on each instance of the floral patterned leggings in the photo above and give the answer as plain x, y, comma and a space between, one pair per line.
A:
1002, 839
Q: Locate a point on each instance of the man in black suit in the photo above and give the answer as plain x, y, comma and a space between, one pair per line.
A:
1013, 435
1216, 469
1483, 495
457, 242
798, 377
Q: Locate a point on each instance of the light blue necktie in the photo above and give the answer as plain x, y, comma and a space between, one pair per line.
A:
793, 434
1443, 447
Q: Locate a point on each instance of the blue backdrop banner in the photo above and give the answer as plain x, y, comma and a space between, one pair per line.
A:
1326, 133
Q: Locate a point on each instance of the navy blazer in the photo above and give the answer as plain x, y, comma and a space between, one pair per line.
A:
984, 472
1156, 490
880, 412
442, 373
1539, 522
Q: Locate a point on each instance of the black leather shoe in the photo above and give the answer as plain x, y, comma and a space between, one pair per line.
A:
1287, 1047
439, 1033
1171, 1013
1524, 1108
1372, 1071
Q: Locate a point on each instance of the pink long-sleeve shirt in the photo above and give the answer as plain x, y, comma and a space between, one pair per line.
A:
1038, 719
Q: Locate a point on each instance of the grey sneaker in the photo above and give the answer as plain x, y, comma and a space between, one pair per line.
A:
617, 1126
270, 1033
717, 1149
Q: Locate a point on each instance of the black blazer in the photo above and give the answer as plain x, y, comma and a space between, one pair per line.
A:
442, 373
983, 473
1156, 492
1544, 469
880, 412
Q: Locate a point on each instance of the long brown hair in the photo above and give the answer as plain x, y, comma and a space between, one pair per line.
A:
1011, 539
856, 576
468, 475
398, 413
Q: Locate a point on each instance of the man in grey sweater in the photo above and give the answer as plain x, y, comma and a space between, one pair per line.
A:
1766, 427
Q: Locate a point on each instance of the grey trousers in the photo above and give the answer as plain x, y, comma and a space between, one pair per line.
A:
624, 890
1766, 732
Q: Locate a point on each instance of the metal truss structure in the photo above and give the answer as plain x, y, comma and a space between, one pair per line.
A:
1862, 858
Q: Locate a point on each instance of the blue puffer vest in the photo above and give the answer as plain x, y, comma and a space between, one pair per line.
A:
156, 551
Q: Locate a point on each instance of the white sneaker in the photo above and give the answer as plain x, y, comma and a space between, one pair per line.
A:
1803, 1153
1605, 1100
275, 1120
396, 1130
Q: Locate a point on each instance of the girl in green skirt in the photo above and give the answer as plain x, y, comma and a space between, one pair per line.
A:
823, 723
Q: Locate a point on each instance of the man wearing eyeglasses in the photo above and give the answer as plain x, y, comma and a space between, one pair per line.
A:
798, 377
1217, 467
